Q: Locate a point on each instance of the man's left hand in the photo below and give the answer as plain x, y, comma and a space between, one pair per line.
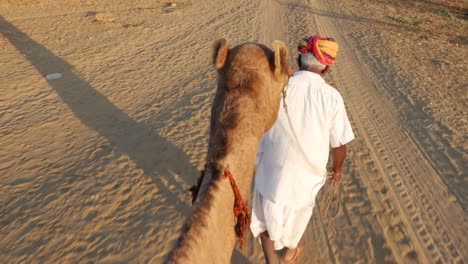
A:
337, 176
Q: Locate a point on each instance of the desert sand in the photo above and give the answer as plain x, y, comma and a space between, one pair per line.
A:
95, 165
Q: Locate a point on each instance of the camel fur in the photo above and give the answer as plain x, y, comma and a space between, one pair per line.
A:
250, 78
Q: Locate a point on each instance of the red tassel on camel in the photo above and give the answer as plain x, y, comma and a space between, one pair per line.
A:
241, 211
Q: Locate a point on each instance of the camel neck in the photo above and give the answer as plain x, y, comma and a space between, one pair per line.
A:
239, 160
209, 234
211, 227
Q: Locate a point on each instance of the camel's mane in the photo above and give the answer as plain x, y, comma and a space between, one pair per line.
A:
199, 216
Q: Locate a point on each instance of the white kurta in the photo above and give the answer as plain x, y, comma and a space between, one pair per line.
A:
290, 177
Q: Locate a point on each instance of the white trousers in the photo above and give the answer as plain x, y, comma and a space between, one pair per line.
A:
285, 225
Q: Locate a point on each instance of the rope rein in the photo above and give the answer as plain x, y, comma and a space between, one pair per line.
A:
328, 195
194, 189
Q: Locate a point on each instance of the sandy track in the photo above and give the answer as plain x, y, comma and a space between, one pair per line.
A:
396, 205
403, 204
94, 167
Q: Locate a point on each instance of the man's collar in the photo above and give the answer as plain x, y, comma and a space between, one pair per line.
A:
308, 74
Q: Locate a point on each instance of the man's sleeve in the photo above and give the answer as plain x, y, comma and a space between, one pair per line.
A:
341, 131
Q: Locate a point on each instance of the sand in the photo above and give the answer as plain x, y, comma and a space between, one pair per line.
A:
95, 165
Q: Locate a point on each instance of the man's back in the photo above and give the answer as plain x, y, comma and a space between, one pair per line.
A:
291, 171
292, 157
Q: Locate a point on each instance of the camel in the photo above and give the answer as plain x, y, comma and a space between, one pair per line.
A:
250, 79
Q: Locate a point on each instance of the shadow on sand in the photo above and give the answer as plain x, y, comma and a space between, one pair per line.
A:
148, 150
95, 111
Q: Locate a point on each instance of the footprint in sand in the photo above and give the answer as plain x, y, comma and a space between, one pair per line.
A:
104, 18
169, 7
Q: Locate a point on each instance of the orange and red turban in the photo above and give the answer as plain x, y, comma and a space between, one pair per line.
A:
324, 49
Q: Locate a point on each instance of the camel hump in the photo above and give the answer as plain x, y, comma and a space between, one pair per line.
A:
221, 51
281, 58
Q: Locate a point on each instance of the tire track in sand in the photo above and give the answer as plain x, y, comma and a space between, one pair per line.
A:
395, 207
271, 26
430, 232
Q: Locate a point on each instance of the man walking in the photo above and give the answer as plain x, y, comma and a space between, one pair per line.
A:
293, 154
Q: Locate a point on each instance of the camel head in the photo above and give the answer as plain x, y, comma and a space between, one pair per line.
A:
250, 79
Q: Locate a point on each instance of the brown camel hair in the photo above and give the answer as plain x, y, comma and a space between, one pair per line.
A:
250, 78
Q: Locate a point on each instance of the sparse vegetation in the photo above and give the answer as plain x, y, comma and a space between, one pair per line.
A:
447, 13
408, 21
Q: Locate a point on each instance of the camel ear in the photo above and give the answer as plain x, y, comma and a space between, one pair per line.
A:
221, 50
281, 58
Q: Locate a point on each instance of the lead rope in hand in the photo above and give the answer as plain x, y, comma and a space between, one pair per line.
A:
333, 188
332, 192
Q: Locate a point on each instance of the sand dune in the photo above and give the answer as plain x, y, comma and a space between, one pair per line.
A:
95, 166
